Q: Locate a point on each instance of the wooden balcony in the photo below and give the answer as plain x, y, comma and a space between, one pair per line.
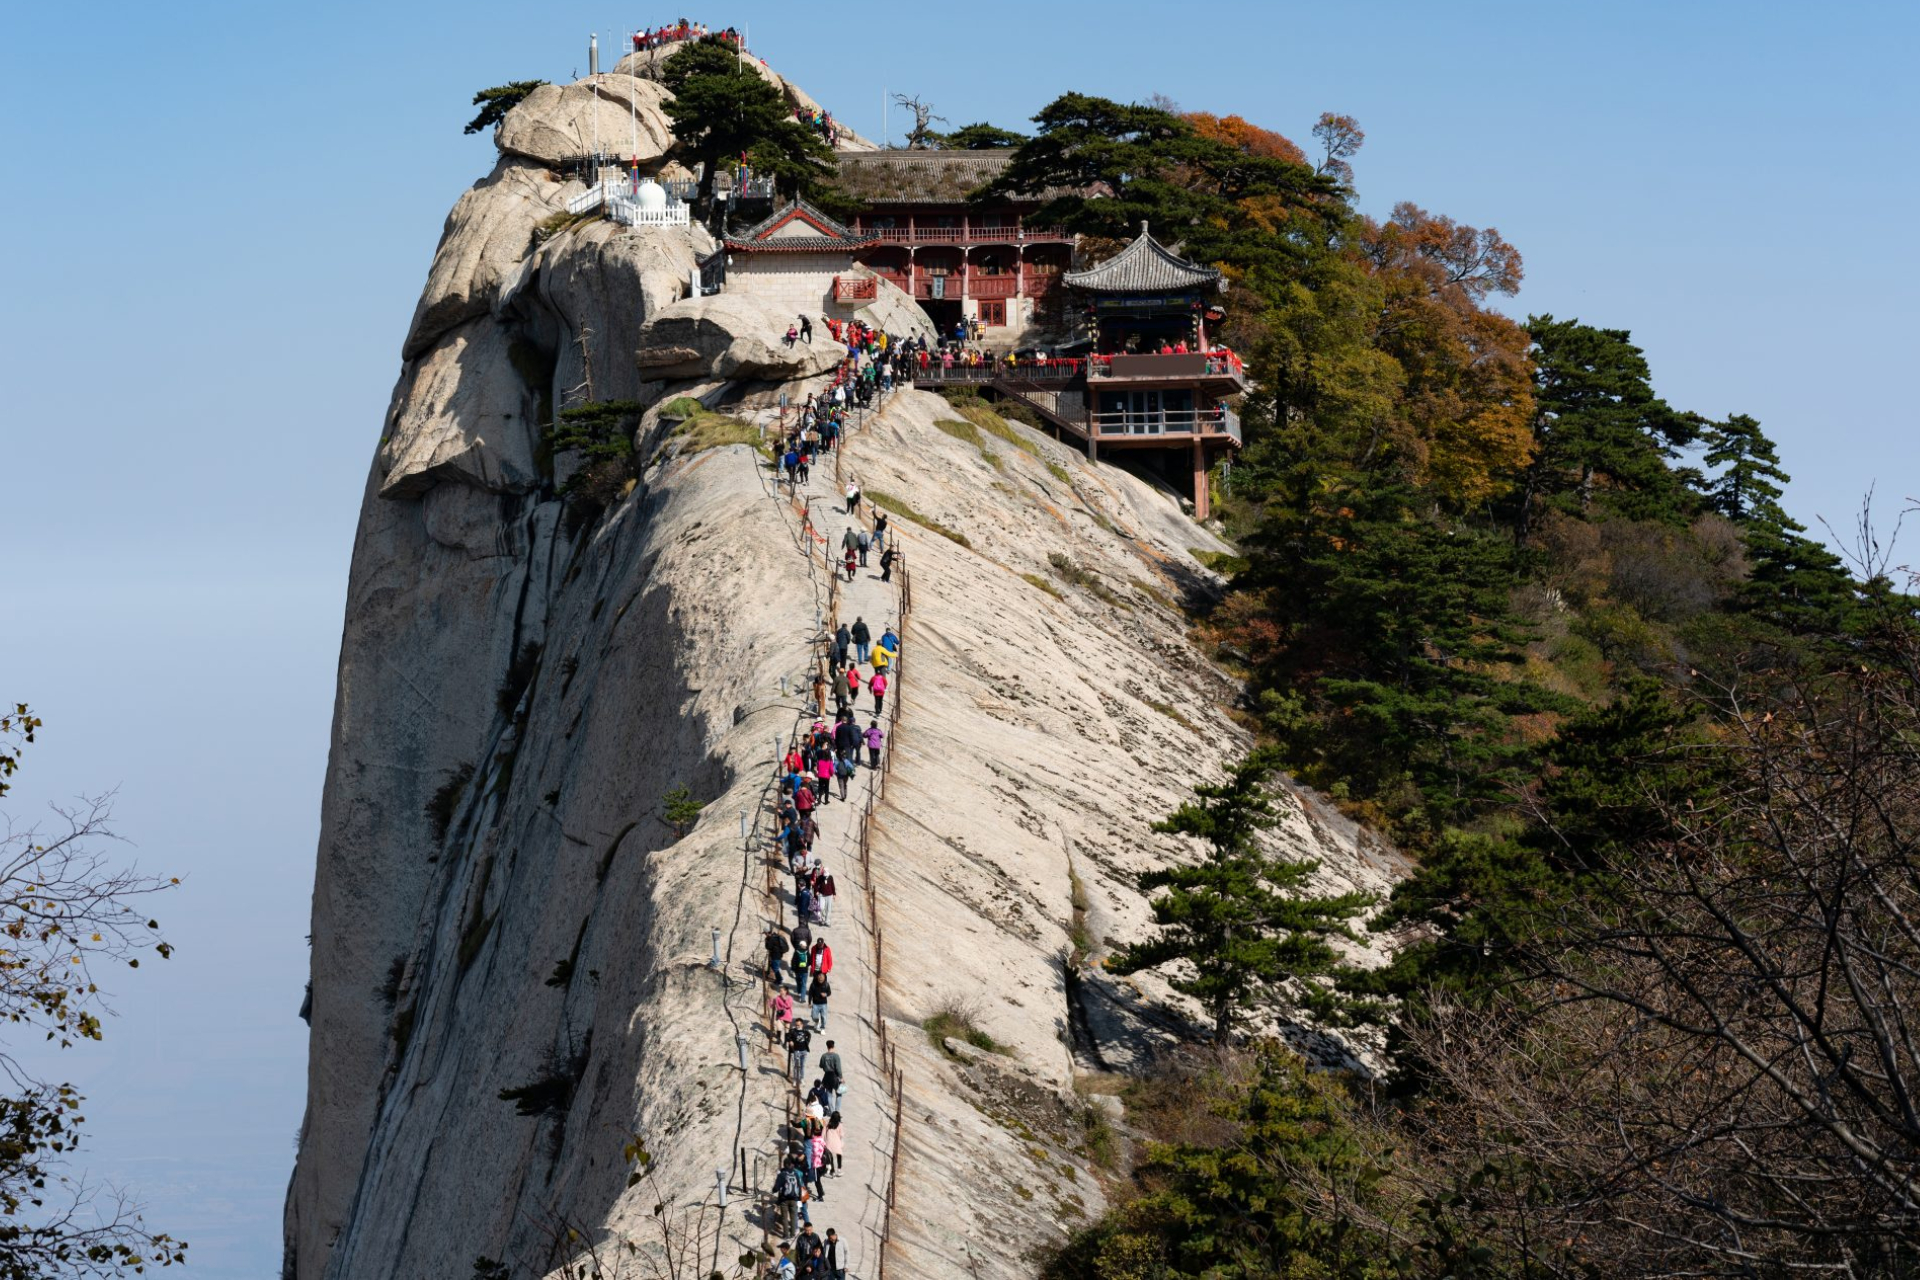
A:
1220, 373
1123, 427
966, 233
1002, 286
855, 288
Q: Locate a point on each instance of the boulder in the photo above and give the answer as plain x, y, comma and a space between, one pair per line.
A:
586, 294
726, 336
462, 412
556, 123
488, 234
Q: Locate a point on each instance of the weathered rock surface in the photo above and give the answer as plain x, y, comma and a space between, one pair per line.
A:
487, 236
729, 335
498, 902
619, 115
461, 412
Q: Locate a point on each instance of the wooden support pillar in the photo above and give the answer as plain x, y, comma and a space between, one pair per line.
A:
1199, 478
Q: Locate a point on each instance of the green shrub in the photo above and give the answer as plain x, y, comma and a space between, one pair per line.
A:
960, 1020
890, 503
1223, 563
441, 804
1034, 579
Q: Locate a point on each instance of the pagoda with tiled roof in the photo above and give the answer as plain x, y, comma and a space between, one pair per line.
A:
1145, 266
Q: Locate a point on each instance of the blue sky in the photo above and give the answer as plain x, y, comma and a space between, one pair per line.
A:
218, 217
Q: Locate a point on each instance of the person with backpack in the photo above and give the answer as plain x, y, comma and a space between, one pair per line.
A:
790, 1193
799, 1040
841, 640
842, 772
777, 947
862, 639
803, 900
833, 1075
803, 801
802, 954
879, 687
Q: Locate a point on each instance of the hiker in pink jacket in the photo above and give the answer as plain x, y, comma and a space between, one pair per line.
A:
782, 1014
879, 687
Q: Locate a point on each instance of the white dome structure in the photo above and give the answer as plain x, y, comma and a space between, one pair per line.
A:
648, 206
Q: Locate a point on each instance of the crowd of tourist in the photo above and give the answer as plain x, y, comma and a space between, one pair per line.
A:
820, 121
681, 30
814, 774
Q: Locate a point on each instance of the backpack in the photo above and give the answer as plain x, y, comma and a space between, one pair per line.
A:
791, 1186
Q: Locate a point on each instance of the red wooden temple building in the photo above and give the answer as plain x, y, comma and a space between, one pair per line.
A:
1152, 383
959, 261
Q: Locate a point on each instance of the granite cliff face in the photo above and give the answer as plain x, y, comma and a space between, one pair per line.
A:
499, 902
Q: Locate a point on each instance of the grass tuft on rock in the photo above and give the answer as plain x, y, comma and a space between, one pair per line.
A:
888, 502
958, 1019
1071, 572
1035, 580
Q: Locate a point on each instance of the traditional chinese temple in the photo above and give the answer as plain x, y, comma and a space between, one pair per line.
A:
958, 260
1153, 383
796, 256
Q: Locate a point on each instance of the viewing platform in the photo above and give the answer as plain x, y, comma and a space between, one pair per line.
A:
1220, 373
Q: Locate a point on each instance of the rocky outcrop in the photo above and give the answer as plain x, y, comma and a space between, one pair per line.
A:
729, 335
618, 114
502, 908
487, 236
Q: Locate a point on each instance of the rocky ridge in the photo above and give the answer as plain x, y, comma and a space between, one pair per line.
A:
499, 903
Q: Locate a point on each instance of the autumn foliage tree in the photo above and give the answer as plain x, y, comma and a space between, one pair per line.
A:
67, 914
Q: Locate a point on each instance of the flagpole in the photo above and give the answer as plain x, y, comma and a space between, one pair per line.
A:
633, 117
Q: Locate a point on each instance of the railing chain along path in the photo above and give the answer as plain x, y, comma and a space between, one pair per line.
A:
827, 600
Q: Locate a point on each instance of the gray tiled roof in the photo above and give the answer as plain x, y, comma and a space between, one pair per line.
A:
919, 177
1144, 266
837, 236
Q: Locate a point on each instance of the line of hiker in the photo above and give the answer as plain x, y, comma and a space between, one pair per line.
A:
815, 773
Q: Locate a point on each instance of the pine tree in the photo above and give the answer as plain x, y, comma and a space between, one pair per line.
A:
1152, 165
1599, 428
723, 109
1751, 486
1241, 919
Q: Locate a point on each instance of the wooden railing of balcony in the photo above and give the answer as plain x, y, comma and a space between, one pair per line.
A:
855, 288
968, 234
